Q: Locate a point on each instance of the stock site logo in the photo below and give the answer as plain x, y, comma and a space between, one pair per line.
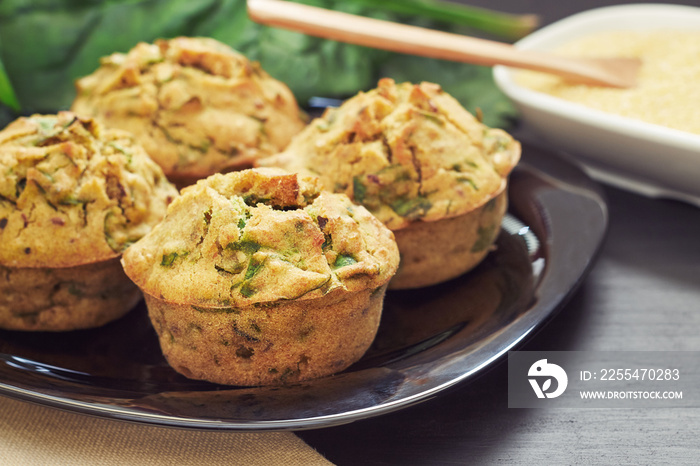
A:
544, 372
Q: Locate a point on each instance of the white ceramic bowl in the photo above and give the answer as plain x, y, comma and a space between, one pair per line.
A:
631, 154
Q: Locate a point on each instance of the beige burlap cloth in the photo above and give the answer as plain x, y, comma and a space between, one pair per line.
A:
36, 435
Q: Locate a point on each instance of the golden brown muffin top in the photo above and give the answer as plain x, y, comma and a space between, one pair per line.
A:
406, 152
73, 193
260, 235
196, 105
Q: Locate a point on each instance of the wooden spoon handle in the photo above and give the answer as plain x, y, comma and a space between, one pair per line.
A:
415, 40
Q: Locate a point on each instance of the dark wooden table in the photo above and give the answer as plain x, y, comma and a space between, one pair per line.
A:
642, 294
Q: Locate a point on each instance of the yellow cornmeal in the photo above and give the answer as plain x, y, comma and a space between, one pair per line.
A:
667, 92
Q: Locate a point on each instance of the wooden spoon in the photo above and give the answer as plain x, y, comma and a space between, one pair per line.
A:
344, 27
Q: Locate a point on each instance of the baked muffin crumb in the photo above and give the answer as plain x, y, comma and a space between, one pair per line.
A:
259, 277
416, 159
72, 196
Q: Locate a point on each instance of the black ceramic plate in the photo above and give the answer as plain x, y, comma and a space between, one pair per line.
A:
429, 340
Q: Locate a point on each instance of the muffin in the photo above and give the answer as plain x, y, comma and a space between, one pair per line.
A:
197, 106
258, 278
72, 196
422, 164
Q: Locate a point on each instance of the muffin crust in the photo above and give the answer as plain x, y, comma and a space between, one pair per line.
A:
197, 106
73, 193
407, 152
